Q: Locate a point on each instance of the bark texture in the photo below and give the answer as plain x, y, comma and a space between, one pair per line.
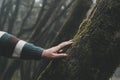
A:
77, 12
95, 52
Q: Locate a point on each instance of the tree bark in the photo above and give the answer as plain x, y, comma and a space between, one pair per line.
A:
71, 25
68, 27
94, 54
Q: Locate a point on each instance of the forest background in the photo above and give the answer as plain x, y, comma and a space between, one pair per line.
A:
48, 22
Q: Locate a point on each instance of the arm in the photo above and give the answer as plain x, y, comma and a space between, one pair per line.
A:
10, 46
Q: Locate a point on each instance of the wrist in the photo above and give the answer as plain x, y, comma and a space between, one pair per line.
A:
44, 53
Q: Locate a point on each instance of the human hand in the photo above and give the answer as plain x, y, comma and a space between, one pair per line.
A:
54, 51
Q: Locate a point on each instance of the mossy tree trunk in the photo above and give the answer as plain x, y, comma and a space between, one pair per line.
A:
95, 53
77, 13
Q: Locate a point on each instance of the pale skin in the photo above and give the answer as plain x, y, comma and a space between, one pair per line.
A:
54, 51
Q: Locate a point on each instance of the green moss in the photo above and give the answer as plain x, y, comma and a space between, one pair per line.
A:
82, 30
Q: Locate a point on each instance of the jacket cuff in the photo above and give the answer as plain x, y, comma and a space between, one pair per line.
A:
31, 51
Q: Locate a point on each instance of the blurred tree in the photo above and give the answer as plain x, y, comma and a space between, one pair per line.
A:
10, 19
21, 28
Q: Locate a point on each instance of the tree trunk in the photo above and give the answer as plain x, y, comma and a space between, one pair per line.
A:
94, 54
77, 14
40, 27
22, 31
8, 73
68, 27
26, 70
13, 16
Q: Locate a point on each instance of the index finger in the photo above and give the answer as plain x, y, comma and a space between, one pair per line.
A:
63, 44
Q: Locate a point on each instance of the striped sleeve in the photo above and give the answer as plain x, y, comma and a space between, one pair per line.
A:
10, 46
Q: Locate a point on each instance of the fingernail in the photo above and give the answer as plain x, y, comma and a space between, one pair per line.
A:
65, 54
70, 40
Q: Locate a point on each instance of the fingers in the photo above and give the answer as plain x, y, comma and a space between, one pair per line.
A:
62, 45
53, 52
48, 54
59, 55
60, 51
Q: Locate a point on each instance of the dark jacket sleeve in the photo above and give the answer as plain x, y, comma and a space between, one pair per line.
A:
11, 46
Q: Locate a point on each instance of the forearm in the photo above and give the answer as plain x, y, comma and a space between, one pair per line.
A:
10, 46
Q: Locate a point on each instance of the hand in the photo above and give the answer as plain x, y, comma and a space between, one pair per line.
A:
53, 52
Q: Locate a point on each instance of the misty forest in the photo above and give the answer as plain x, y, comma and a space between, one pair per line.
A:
93, 26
